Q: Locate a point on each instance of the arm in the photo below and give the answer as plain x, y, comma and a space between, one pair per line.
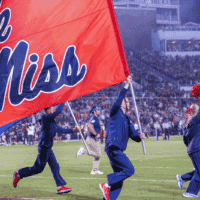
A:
191, 120
57, 112
185, 136
188, 132
64, 130
91, 129
134, 135
117, 104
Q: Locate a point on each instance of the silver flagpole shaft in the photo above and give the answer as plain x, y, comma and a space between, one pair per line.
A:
137, 115
79, 127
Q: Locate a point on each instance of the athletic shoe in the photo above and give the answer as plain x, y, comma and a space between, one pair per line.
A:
105, 191
190, 195
63, 189
80, 151
180, 181
96, 172
16, 179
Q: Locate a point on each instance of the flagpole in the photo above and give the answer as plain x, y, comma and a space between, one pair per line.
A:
78, 127
137, 115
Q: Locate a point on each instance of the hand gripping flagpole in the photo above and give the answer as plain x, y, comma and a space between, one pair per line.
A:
78, 127
137, 115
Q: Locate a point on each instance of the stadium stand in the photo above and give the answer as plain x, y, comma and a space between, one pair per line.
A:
157, 98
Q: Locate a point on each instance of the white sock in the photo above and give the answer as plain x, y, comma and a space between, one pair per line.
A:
107, 185
58, 187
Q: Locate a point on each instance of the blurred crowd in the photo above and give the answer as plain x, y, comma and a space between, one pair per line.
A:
161, 105
184, 70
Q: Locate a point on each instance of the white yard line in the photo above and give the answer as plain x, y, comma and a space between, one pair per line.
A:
85, 178
89, 166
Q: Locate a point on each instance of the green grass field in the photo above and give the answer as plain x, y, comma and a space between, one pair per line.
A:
154, 178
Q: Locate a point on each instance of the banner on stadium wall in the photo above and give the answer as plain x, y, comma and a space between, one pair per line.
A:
56, 51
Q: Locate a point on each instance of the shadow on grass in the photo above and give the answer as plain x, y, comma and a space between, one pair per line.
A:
82, 197
24, 193
78, 171
166, 190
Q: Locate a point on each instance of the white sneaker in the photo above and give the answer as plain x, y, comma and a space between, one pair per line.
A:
190, 195
80, 151
96, 172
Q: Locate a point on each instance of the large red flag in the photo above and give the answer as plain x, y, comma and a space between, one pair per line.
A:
55, 51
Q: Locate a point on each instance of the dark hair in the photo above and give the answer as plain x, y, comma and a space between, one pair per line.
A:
46, 109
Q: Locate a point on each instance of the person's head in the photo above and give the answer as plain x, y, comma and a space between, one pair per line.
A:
49, 110
96, 111
194, 109
125, 104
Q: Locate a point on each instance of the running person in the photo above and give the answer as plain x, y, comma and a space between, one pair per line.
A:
92, 140
45, 153
119, 129
191, 139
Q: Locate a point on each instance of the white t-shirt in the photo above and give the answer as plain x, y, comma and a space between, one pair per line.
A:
31, 130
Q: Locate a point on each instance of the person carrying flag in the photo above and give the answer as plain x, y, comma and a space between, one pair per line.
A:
119, 129
45, 153
92, 140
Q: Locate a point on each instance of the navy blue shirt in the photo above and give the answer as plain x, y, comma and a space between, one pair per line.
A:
95, 122
50, 127
192, 136
120, 128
